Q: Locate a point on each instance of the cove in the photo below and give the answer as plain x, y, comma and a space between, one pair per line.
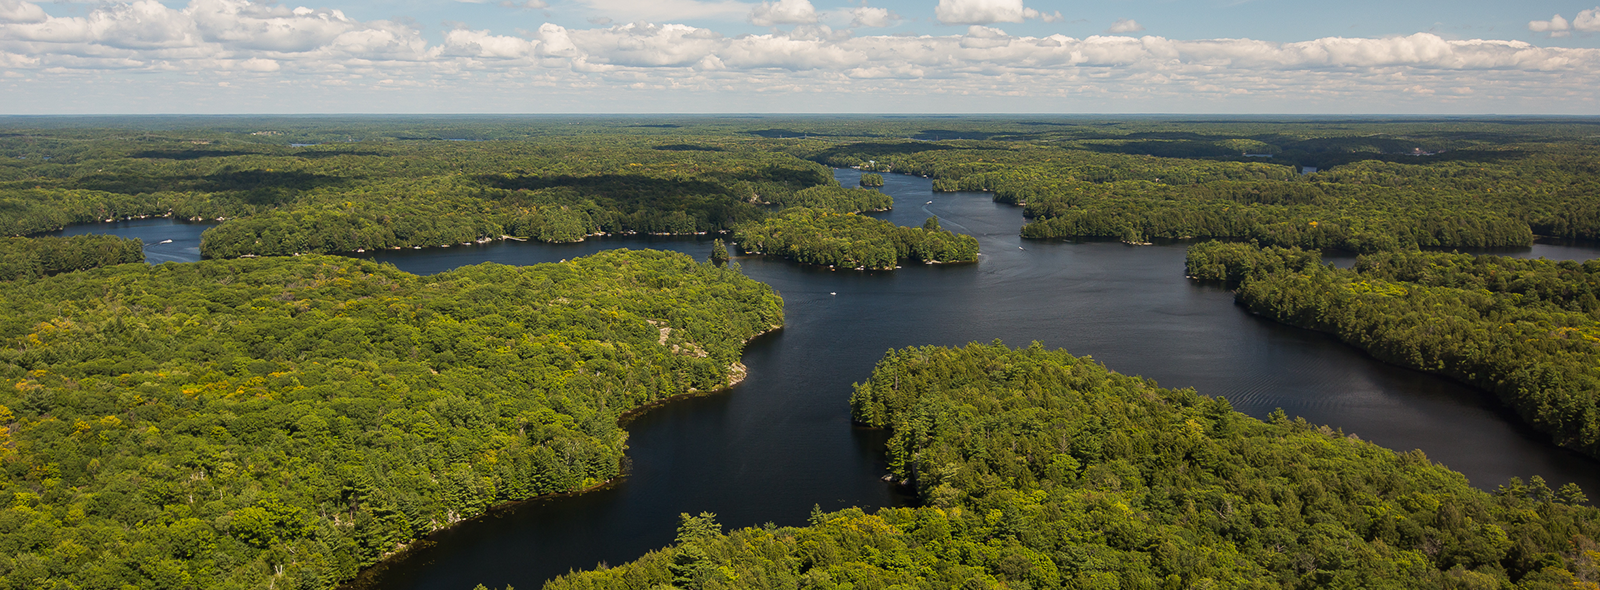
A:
185, 236
782, 441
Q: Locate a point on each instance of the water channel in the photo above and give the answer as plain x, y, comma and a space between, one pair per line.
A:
782, 441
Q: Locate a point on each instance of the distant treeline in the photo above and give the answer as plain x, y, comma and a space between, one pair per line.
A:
1527, 330
1484, 195
28, 258
342, 197
1037, 469
853, 241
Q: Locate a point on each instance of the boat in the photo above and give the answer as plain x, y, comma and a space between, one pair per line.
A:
164, 242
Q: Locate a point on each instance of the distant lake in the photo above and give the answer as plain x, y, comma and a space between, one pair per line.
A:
185, 236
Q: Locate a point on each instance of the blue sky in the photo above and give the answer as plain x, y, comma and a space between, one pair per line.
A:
533, 56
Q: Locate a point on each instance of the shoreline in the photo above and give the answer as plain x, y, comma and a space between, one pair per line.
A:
737, 373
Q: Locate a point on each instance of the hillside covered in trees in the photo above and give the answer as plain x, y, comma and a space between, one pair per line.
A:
286, 421
810, 236
1523, 329
1042, 470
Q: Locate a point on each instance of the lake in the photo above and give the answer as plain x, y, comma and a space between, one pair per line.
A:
782, 441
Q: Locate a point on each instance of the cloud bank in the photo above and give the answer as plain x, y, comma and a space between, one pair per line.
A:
246, 43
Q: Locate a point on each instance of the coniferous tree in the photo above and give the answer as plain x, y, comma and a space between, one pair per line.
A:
719, 253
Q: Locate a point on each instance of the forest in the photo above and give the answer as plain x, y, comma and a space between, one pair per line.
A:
1038, 469
1525, 330
286, 421
30, 258
809, 236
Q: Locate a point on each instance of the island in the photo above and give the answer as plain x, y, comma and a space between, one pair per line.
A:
817, 237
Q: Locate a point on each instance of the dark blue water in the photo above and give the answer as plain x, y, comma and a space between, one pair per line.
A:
782, 441
185, 236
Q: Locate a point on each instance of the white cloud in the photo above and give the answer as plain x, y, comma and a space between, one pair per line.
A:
783, 12
1556, 26
670, 10
1125, 25
867, 16
1588, 21
484, 45
533, 4
248, 25
647, 45
983, 12
17, 11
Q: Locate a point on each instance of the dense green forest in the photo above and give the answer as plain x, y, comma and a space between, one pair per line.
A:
1523, 329
286, 421
29, 258
869, 179
852, 241
1042, 470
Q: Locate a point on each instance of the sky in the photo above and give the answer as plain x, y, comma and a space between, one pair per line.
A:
1534, 57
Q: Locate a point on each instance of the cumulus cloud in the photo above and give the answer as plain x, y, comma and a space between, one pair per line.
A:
531, 4
17, 11
1125, 25
668, 10
1587, 21
482, 44
867, 16
983, 12
783, 12
1556, 26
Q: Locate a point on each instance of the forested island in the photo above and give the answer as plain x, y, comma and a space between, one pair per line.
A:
1524, 329
223, 424
1038, 469
869, 179
852, 241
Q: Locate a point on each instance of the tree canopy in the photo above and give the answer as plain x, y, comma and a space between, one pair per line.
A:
286, 421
